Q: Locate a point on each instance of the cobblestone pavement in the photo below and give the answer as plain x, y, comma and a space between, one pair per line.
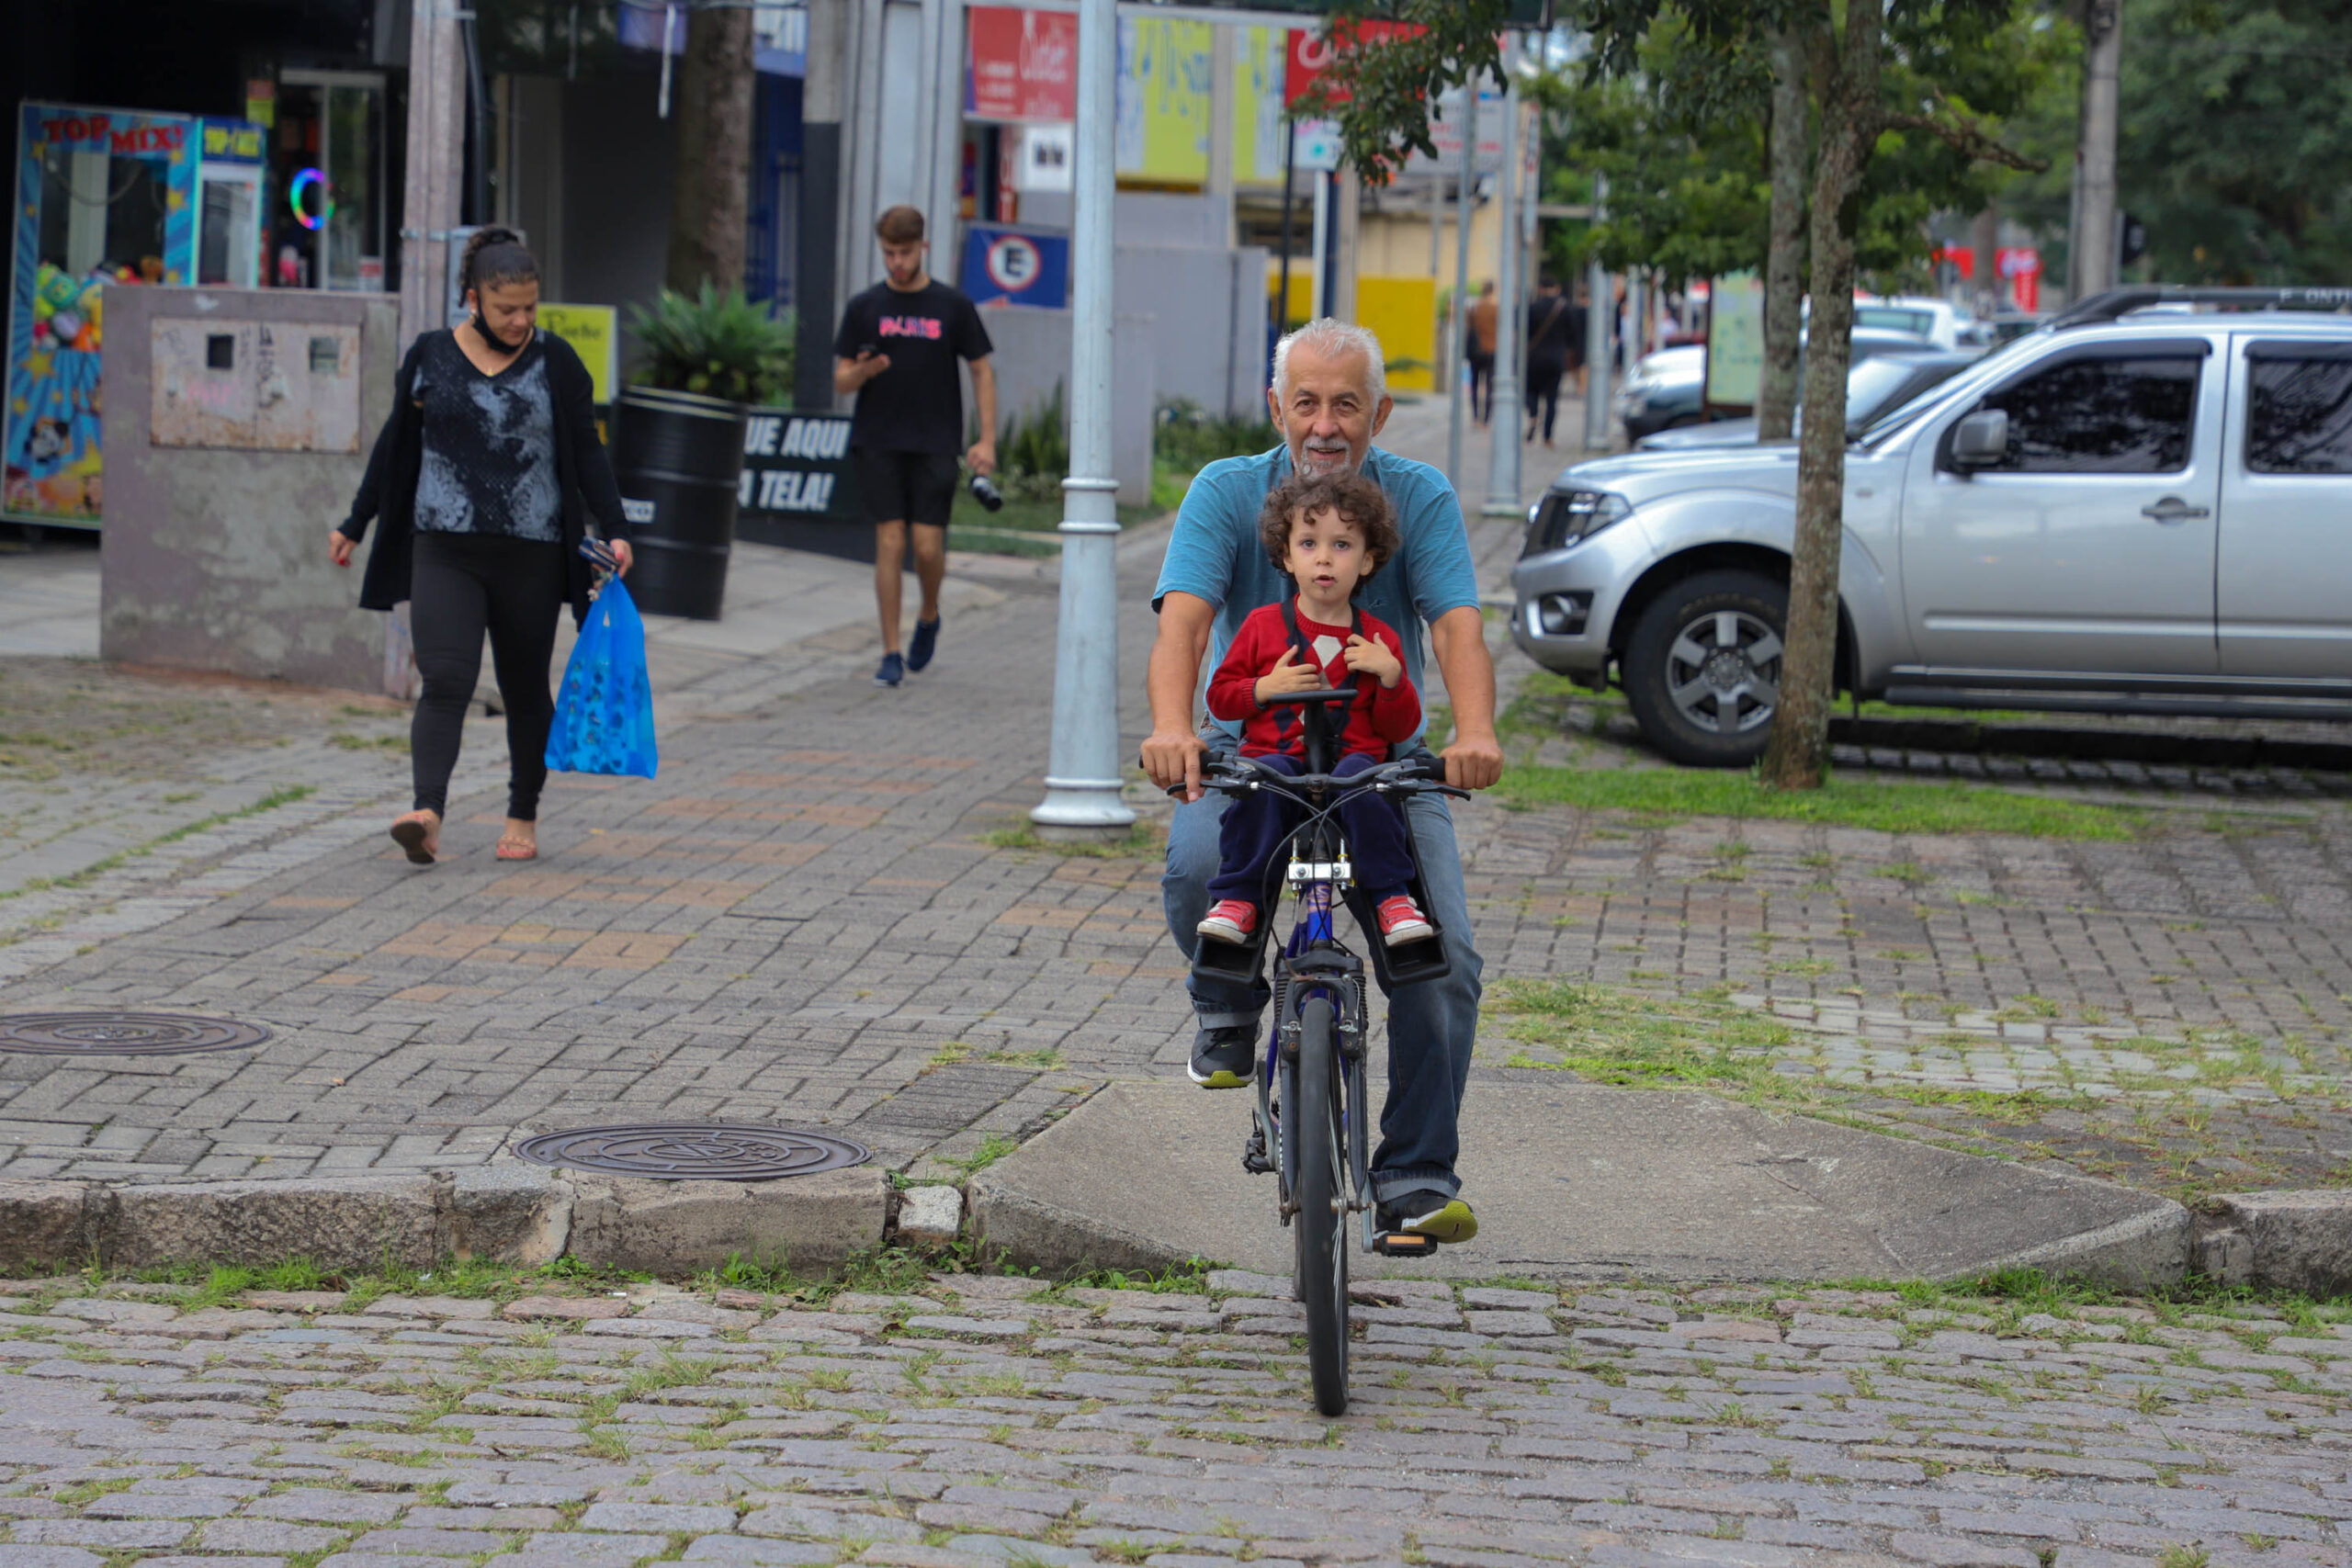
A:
826, 912
986, 1422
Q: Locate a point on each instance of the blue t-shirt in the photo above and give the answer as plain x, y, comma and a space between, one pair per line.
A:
1214, 553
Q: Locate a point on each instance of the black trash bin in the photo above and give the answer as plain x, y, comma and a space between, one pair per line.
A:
679, 457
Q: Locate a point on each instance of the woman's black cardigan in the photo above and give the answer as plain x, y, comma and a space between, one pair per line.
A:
389, 488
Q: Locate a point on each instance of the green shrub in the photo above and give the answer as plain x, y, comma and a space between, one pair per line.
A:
1189, 437
721, 345
1033, 451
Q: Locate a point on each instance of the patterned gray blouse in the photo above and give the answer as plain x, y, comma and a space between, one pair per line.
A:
489, 465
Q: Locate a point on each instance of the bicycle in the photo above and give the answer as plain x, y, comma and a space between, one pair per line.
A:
1311, 1078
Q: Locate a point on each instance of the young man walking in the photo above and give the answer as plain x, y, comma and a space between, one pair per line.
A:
896, 350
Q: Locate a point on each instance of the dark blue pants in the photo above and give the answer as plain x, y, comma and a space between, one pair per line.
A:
1258, 826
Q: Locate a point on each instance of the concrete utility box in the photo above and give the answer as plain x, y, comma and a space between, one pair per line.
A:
238, 424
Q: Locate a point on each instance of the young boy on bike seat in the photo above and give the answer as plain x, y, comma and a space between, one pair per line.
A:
1329, 533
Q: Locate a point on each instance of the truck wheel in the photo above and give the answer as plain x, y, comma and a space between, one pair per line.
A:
1702, 667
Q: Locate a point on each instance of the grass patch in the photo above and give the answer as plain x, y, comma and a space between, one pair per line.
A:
1142, 841
1643, 1042
1888, 806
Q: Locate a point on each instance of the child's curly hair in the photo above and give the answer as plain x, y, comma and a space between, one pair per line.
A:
1356, 499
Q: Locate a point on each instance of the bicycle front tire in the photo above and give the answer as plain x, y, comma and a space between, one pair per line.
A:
1319, 1230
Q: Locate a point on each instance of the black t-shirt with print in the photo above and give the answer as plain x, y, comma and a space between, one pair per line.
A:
917, 405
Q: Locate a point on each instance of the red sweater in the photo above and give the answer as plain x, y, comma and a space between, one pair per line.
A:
1374, 724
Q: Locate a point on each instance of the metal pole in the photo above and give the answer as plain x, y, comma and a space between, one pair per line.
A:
437, 146
1464, 197
1502, 468
815, 281
1596, 336
1289, 174
1082, 778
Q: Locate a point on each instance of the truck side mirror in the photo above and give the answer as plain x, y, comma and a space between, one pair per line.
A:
1980, 440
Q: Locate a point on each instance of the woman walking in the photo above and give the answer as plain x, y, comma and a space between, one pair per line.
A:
485, 475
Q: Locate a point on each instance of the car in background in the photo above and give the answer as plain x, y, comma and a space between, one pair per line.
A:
1874, 388
2135, 510
1668, 388
1940, 321
2007, 324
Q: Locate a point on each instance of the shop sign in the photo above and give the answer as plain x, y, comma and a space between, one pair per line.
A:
1734, 340
1024, 64
1047, 159
1012, 267
795, 467
50, 418
594, 332
1165, 65
1261, 58
233, 141
1312, 50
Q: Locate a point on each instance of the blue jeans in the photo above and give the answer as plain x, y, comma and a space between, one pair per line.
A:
1431, 1026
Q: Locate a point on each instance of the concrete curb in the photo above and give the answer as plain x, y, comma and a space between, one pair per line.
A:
2286, 1241
505, 1213
2143, 1252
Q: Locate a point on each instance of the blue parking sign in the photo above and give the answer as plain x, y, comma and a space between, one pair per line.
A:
1015, 266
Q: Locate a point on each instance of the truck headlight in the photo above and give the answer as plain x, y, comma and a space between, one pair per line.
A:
1566, 516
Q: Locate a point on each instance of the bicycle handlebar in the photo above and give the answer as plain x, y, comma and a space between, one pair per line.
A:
1320, 694
1407, 775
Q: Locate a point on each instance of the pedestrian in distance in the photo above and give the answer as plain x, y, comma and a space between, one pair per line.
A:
1485, 320
1329, 400
1328, 534
1549, 321
896, 350
486, 478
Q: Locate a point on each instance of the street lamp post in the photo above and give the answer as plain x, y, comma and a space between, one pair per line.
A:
1082, 778
1502, 468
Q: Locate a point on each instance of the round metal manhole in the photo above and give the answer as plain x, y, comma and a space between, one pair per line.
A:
693, 1151
123, 1033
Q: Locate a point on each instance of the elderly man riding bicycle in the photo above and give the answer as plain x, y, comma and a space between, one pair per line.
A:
1329, 400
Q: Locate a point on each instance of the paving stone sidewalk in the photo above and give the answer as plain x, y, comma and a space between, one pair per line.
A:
825, 912
977, 1422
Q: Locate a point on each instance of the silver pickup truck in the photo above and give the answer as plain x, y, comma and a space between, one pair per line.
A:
2144, 507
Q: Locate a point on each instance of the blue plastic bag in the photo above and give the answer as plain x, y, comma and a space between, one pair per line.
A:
603, 715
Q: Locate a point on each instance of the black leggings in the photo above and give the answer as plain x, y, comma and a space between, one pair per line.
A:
463, 584
1544, 392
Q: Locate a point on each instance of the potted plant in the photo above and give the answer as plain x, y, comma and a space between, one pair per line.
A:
678, 448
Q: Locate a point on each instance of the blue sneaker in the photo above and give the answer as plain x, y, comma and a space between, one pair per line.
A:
925, 644
893, 670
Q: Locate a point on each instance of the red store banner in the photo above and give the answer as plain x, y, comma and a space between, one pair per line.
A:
1024, 64
1311, 50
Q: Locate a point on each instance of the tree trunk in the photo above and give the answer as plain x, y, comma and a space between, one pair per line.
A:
1797, 756
710, 196
1776, 390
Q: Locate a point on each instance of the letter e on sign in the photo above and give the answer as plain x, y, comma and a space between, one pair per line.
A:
1012, 263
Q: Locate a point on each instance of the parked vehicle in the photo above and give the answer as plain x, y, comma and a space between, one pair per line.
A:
1940, 321
2135, 510
1668, 388
1873, 387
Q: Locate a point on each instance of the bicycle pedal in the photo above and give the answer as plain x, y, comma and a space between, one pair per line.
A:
1404, 1244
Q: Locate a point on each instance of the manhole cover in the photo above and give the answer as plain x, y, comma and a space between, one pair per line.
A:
684, 1151
123, 1033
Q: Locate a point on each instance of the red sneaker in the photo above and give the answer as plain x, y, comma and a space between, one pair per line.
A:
1230, 921
1401, 921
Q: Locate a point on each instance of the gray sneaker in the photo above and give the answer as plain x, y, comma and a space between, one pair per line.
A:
1225, 1056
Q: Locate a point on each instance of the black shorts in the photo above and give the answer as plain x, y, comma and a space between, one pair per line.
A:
906, 487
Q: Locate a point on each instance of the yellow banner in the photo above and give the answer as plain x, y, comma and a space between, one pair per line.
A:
1164, 75
594, 332
1261, 56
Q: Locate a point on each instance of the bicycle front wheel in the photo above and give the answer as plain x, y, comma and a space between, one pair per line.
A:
1319, 1230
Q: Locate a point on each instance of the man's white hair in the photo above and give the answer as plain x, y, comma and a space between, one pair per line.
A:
1331, 338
